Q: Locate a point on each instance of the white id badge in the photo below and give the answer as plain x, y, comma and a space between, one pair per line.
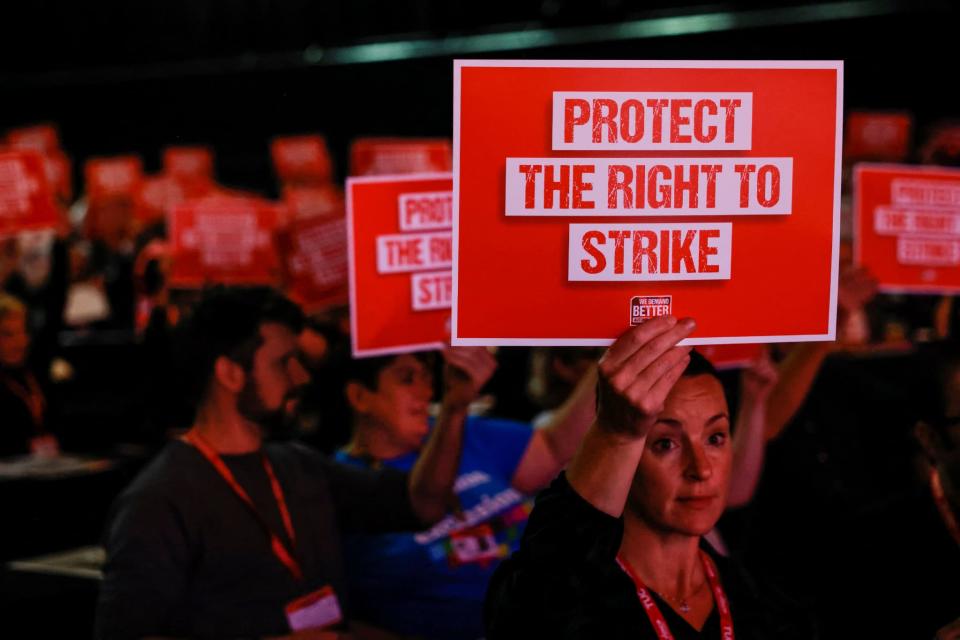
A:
316, 610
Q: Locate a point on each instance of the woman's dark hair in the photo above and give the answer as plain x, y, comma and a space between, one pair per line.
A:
699, 365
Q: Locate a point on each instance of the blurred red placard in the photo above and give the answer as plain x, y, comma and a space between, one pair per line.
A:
59, 172
41, 137
157, 196
389, 156
113, 176
942, 145
301, 159
191, 166
26, 201
223, 240
313, 252
400, 261
311, 201
876, 136
907, 227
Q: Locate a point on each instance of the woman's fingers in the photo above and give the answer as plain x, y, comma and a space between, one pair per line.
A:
645, 357
661, 389
638, 371
632, 340
641, 393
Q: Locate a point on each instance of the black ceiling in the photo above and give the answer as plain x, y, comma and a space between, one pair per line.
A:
136, 75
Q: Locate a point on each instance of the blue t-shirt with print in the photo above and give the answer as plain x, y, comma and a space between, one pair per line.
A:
432, 583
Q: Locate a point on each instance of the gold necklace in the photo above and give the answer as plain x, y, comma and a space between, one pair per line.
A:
683, 604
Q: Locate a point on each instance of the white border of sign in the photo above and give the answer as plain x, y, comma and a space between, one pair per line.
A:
836, 65
883, 167
398, 177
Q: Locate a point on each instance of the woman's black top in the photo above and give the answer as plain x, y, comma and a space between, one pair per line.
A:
564, 582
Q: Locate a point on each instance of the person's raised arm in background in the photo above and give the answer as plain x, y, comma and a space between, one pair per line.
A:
799, 369
553, 445
749, 434
466, 370
636, 375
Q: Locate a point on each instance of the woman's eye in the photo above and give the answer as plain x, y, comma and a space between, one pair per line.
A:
718, 439
663, 445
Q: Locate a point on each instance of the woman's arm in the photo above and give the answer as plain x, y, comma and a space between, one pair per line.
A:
636, 375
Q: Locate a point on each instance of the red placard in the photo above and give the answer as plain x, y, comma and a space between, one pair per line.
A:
731, 356
313, 200
191, 166
157, 197
314, 255
224, 240
59, 173
301, 159
907, 227
400, 255
942, 145
26, 202
875, 136
390, 156
42, 137
716, 195
113, 176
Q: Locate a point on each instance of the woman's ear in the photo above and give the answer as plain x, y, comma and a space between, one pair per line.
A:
229, 375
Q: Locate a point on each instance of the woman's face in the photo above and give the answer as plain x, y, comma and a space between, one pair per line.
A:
683, 476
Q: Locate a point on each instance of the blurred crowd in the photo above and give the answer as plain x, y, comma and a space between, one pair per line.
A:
291, 490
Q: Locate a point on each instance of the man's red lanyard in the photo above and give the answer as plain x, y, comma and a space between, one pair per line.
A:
653, 611
946, 512
276, 544
32, 396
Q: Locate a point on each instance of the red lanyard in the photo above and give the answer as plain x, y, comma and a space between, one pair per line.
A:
653, 611
32, 396
946, 512
279, 550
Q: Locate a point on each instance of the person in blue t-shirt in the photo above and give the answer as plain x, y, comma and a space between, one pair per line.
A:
431, 584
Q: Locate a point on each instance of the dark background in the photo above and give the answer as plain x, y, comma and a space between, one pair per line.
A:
134, 76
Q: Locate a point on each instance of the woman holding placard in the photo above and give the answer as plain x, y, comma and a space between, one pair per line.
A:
614, 547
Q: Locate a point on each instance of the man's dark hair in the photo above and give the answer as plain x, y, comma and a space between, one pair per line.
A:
226, 322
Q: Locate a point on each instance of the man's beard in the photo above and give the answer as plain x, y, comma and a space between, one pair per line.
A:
276, 424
